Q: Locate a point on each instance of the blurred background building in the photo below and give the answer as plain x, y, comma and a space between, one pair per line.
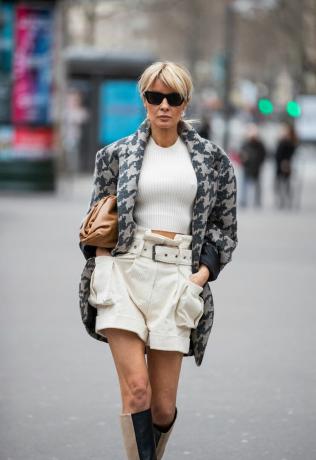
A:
69, 70
27, 37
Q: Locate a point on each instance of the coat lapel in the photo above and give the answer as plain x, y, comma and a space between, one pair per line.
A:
130, 168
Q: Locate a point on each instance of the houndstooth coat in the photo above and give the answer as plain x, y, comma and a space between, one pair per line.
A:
213, 227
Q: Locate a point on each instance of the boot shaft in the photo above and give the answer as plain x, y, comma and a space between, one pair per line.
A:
162, 436
138, 435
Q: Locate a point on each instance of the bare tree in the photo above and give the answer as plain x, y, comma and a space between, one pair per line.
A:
296, 21
92, 13
278, 34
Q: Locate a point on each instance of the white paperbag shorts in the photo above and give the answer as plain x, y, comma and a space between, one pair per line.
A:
152, 298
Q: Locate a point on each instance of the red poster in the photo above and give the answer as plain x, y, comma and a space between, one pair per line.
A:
32, 67
33, 143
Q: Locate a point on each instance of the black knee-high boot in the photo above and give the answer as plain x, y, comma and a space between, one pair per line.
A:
138, 435
162, 435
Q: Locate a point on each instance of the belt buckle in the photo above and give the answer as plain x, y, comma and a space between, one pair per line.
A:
153, 254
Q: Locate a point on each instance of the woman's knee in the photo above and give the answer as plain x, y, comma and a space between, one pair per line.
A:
163, 412
136, 393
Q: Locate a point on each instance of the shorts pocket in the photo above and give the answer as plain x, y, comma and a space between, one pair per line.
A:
100, 283
125, 263
190, 305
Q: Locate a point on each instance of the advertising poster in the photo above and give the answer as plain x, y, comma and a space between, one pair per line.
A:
6, 37
33, 143
5, 98
6, 55
32, 65
6, 142
121, 110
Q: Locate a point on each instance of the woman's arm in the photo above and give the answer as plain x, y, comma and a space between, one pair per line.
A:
104, 183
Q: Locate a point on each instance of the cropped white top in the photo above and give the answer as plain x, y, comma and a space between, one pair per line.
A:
166, 189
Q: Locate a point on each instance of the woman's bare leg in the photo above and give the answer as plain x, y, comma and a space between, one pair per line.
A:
164, 372
128, 354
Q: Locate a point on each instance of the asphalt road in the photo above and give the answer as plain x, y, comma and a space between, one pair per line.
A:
253, 398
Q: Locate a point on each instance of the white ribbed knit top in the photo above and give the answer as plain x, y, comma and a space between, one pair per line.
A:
166, 188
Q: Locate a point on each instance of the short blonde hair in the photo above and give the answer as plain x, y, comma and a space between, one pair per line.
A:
171, 74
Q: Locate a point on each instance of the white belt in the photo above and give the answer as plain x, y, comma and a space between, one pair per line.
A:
161, 252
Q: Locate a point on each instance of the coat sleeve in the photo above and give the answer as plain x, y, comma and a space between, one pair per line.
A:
104, 183
220, 238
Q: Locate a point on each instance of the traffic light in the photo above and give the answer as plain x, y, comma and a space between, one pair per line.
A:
265, 106
293, 109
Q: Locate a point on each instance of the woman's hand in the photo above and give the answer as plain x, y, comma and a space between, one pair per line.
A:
102, 252
201, 277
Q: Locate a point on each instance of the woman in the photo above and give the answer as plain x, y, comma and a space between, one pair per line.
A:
176, 195
283, 161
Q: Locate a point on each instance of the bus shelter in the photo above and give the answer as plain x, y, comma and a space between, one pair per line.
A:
102, 103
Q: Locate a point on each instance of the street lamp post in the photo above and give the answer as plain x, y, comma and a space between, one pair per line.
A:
228, 63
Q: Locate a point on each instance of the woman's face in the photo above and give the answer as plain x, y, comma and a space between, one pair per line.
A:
163, 116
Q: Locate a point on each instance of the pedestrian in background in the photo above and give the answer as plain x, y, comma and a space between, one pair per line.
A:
75, 115
176, 200
205, 128
284, 153
252, 156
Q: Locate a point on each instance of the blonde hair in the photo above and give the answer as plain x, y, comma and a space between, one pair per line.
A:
171, 74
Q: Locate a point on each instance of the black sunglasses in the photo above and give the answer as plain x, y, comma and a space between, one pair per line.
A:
156, 98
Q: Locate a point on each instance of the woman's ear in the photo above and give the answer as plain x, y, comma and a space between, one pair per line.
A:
183, 109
